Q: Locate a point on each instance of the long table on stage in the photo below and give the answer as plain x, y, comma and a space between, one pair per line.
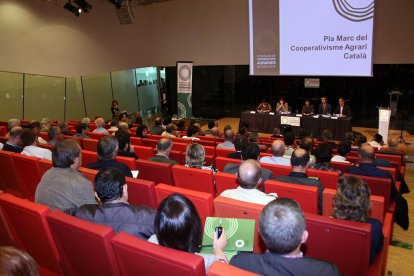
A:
265, 122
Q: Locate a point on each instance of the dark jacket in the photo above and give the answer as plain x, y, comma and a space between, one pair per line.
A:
110, 164
163, 159
156, 130
135, 220
9, 147
273, 264
126, 153
346, 110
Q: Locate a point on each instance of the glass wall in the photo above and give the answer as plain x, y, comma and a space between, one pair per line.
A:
75, 105
97, 90
148, 94
11, 94
125, 90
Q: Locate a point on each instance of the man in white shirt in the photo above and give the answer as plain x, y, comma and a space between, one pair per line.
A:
249, 175
31, 148
342, 151
278, 150
228, 143
377, 142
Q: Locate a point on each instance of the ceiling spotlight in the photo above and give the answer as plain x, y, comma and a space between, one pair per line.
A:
85, 6
118, 3
68, 6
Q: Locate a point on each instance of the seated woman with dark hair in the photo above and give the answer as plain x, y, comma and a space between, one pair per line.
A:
195, 157
323, 155
178, 226
352, 202
141, 131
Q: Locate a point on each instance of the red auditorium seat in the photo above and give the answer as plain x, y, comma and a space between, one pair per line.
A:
231, 208
44, 135
342, 166
144, 152
136, 141
148, 142
225, 181
44, 165
222, 269
223, 152
89, 157
221, 162
155, 171
277, 170
129, 161
90, 144
88, 173
306, 196
95, 135
139, 257
3, 131
179, 146
177, 156
141, 192
9, 180
27, 221
202, 201
6, 236
46, 146
28, 171
85, 247
328, 179
194, 179
205, 143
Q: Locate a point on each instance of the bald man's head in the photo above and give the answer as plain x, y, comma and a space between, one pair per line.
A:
249, 174
278, 148
300, 158
366, 154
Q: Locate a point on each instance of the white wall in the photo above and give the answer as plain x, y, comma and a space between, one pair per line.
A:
40, 37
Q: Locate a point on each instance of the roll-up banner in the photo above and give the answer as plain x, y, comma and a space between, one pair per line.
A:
184, 89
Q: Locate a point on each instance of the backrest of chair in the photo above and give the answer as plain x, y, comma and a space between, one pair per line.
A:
177, 156
391, 170
136, 141
27, 222
376, 211
89, 157
222, 269
392, 158
85, 247
221, 162
6, 235
46, 146
44, 135
147, 142
194, 179
141, 192
306, 196
223, 152
90, 144
158, 172
342, 166
44, 166
139, 257
231, 208
328, 179
210, 150
179, 146
352, 158
277, 170
202, 201
28, 171
95, 135
206, 143
129, 161
3, 131
9, 180
225, 181
378, 186
144, 152
344, 243
88, 173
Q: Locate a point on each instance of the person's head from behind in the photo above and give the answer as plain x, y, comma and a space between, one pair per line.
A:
100, 122
343, 149
164, 146
242, 131
14, 262
181, 125
240, 142
215, 132
307, 144
54, 133
229, 135
303, 132
81, 128
392, 143
360, 139
124, 139
250, 151
253, 137
66, 154
289, 139
12, 123
350, 137
278, 148
378, 139
28, 137
86, 121
107, 148
226, 127
323, 153
326, 135
249, 174
171, 129
193, 131
114, 103
211, 124
46, 123
282, 226
352, 199
276, 132
141, 131
195, 155
123, 126
178, 225
300, 159
158, 121
110, 185
366, 153
35, 125
167, 120
15, 135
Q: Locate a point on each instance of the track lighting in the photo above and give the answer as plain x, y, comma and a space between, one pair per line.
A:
68, 6
118, 3
85, 6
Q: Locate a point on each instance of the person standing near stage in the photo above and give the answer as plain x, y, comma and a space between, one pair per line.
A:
114, 109
282, 106
264, 106
343, 109
324, 107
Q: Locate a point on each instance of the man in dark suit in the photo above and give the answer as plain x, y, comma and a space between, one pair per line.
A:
14, 142
164, 147
157, 129
283, 230
239, 143
343, 109
324, 107
300, 163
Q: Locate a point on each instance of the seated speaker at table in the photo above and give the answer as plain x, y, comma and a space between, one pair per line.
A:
324, 107
282, 106
264, 106
343, 109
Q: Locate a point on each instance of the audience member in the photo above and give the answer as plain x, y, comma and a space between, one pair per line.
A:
86, 121
249, 176
239, 143
228, 140
31, 148
359, 140
342, 152
377, 142
157, 129
100, 126
323, 156
45, 124
54, 134
327, 137
226, 127
215, 132
142, 131
170, 131
290, 144
124, 142
64, 129
210, 126
278, 150
181, 125
282, 227
107, 150
82, 130
114, 210
352, 202
14, 142
12, 123
15, 262
192, 132
277, 133
164, 147
178, 226
307, 144
195, 157
35, 126
123, 126
300, 163
62, 187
